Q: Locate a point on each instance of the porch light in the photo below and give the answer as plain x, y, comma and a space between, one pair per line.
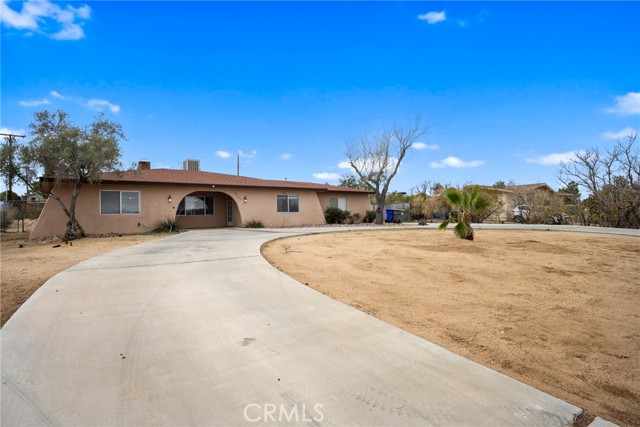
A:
169, 199
245, 199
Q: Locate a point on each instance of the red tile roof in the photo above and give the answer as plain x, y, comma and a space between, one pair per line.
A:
185, 177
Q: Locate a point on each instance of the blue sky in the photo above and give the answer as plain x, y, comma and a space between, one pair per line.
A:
506, 89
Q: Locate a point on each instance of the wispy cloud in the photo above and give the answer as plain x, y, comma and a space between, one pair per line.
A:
433, 17
423, 146
328, 176
250, 155
12, 131
101, 104
57, 94
455, 162
552, 159
223, 154
35, 102
286, 156
623, 133
47, 18
626, 105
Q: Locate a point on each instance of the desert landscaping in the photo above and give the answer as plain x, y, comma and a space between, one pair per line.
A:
555, 310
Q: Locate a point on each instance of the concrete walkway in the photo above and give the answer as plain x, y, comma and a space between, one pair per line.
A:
198, 329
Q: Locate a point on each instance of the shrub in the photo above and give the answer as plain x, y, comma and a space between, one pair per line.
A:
355, 218
169, 225
335, 215
370, 217
253, 223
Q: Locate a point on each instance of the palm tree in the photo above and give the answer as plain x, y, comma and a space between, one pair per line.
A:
466, 203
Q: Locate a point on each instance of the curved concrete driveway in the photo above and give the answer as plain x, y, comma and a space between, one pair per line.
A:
198, 329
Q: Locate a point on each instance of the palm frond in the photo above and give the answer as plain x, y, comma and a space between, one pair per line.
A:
443, 225
461, 230
453, 196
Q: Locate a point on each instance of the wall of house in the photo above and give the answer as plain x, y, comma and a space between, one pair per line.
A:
357, 203
260, 205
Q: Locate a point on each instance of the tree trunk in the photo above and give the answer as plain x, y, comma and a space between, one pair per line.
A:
380, 208
74, 230
470, 234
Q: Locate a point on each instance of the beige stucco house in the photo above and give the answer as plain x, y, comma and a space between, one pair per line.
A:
514, 195
134, 202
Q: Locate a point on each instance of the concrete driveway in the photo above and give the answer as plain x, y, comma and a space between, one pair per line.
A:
198, 329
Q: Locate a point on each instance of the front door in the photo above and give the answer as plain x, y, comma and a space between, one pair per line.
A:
229, 211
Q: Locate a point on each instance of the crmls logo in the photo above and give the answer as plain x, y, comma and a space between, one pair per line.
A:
254, 412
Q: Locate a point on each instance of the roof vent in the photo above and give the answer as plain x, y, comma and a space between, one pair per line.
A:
191, 165
144, 165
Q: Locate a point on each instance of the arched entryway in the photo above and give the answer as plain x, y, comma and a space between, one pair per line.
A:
207, 209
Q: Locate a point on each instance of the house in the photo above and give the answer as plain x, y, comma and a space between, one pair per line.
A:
134, 202
33, 198
514, 195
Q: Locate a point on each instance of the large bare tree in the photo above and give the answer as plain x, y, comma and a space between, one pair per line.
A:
376, 159
612, 180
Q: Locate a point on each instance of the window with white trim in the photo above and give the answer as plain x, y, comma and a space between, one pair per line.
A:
196, 206
119, 202
338, 202
288, 203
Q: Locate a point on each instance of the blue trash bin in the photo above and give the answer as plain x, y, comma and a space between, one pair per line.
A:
389, 215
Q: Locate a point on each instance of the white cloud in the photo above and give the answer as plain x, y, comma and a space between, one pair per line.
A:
552, 159
249, 155
623, 133
35, 102
455, 162
423, 146
433, 17
46, 17
344, 165
626, 105
328, 176
56, 94
100, 104
12, 131
223, 154
286, 156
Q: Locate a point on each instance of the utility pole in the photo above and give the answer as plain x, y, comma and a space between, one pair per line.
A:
11, 167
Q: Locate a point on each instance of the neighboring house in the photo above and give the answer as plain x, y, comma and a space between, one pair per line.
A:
134, 202
33, 198
514, 195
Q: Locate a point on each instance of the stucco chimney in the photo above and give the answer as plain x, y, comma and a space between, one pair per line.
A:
144, 165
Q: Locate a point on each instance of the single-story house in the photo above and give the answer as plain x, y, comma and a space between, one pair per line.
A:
136, 201
514, 195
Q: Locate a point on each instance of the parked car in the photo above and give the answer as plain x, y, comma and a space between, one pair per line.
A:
521, 215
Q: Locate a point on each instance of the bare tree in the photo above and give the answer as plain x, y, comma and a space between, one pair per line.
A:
376, 160
612, 180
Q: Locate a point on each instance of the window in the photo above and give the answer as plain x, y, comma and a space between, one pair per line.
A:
288, 203
338, 202
119, 202
196, 206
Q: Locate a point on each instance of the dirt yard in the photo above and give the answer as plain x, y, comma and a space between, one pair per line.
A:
558, 311
26, 265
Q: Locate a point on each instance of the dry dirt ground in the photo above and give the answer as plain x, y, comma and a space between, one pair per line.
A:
25, 265
558, 311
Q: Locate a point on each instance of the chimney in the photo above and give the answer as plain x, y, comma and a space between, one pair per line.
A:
144, 165
191, 165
